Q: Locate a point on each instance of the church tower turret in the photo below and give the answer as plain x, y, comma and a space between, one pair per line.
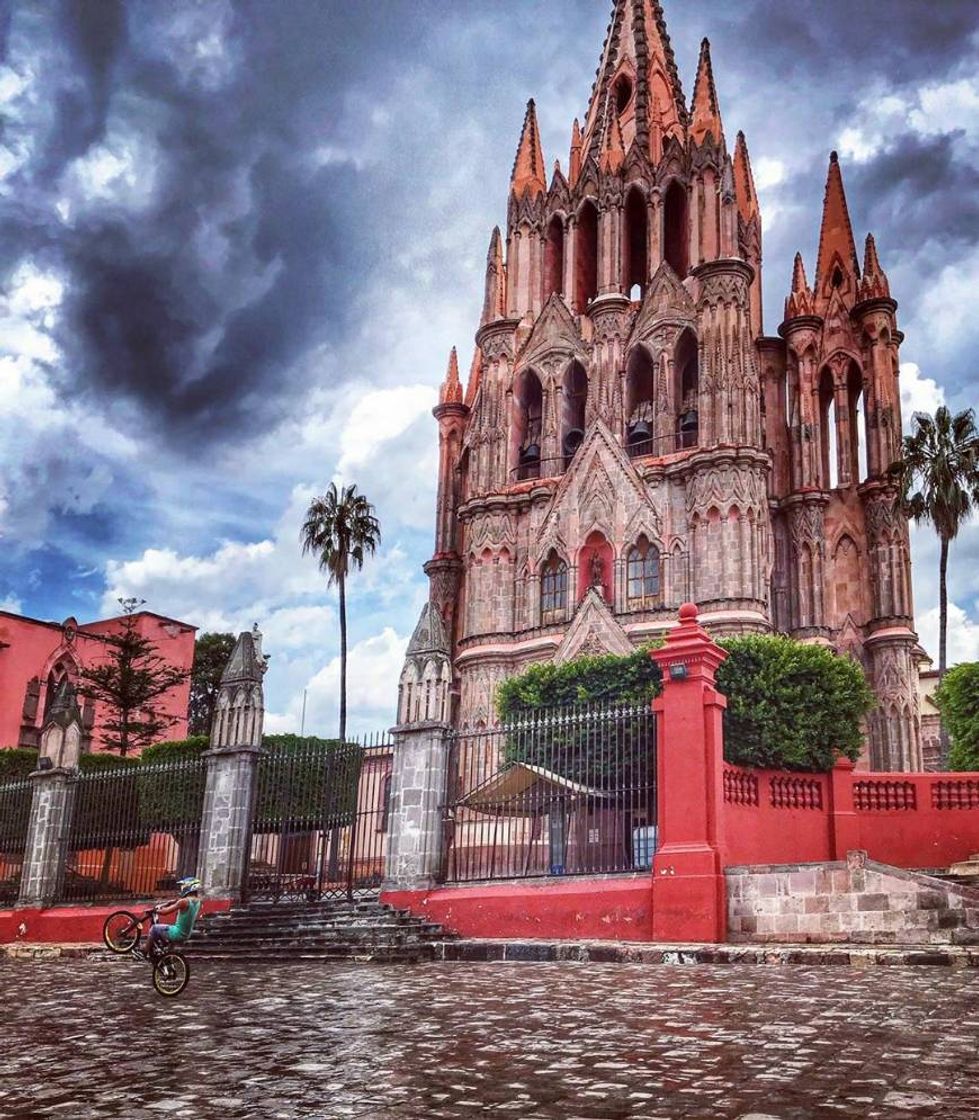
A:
629, 440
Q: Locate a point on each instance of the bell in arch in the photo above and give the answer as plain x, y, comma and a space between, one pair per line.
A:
572, 441
640, 432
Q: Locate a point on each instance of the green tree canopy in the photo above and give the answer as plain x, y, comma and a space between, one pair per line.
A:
211, 655
958, 701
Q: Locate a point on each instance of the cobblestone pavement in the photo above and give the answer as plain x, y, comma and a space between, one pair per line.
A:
85, 1038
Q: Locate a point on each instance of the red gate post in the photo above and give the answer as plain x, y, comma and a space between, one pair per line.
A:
689, 900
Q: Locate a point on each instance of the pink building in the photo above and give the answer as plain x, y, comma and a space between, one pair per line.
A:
35, 656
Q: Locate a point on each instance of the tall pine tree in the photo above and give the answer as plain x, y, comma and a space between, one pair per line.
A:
129, 687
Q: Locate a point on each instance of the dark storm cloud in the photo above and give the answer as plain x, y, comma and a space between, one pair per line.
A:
830, 43
247, 253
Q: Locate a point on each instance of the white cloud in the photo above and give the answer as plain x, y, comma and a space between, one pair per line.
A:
11, 603
918, 393
373, 667
963, 634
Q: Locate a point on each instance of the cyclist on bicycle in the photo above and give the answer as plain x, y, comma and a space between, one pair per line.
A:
187, 906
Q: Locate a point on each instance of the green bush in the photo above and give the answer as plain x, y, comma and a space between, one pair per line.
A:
306, 784
632, 678
17, 762
790, 705
957, 698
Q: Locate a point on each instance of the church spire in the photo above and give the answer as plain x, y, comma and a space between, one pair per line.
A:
744, 182
637, 80
494, 301
451, 389
705, 115
836, 264
528, 167
475, 376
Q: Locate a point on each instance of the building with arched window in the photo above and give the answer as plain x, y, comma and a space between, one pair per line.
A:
631, 438
36, 656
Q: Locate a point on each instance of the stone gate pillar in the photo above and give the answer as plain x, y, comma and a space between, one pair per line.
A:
232, 763
418, 783
52, 802
689, 902
53, 787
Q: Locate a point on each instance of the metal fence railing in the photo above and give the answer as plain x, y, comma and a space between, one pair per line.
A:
15, 813
320, 820
135, 830
568, 791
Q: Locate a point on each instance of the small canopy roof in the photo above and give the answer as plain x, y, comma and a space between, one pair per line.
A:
522, 790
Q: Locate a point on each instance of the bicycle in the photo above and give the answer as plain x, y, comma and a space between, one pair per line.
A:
122, 931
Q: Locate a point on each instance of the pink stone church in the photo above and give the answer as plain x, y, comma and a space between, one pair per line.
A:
631, 437
36, 656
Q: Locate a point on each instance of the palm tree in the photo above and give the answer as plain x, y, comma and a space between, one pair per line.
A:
941, 459
340, 529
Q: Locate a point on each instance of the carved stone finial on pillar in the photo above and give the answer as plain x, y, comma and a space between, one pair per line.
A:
688, 880
62, 735
236, 745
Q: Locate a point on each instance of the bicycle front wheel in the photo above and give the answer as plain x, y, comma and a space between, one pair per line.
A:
170, 974
120, 931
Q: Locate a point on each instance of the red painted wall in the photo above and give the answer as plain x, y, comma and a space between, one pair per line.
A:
71, 925
908, 820
31, 648
609, 909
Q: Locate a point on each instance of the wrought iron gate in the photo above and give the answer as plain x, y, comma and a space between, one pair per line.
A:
15, 812
320, 820
569, 791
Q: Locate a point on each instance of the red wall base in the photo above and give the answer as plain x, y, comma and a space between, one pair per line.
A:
70, 925
606, 909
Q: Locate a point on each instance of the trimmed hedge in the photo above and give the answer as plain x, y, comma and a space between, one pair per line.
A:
791, 705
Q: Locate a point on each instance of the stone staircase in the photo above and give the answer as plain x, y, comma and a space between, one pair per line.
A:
359, 930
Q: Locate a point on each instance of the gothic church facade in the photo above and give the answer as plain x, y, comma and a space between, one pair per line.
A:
630, 437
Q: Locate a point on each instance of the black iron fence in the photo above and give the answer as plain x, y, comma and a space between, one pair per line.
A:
320, 820
15, 813
570, 791
134, 831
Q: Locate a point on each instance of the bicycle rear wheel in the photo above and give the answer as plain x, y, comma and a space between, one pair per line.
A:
120, 932
170, 974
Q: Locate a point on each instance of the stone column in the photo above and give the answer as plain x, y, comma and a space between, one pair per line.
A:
418, 785
689, 902
52, 803
229, 790
226, 822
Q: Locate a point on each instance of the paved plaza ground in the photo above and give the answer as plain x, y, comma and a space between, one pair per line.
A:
90, 1038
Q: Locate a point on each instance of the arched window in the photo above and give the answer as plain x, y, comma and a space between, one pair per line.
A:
554, 590
639, 403
528, 409
586, 256
858, 425
643, 575
385, 805
635, 268
686, 390
827, 427
676, 232
554, 257
574, 394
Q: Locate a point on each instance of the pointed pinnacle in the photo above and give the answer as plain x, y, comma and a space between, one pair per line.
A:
705, 115
451, 390
475, 374
835, 233
799, 281
744, 181
528, 167
574, 161
613, 151
871, 265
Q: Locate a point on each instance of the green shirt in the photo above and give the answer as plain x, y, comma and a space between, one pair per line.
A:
180, 930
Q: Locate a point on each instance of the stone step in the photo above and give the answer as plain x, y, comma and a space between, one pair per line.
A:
966, 869
286, 934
